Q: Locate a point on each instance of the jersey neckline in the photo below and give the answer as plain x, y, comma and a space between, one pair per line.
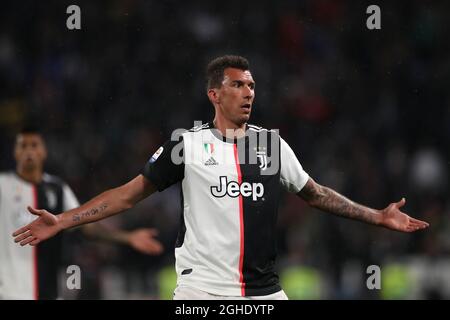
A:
216, 133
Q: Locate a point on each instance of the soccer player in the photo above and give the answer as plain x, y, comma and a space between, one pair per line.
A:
32, 273
226, 246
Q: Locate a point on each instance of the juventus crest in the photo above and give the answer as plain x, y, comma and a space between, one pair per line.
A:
262, 159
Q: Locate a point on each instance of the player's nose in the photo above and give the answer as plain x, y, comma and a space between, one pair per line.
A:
248, 91
248, 94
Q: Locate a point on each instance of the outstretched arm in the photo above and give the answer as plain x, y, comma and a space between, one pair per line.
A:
143, 239
391, 217
104, 205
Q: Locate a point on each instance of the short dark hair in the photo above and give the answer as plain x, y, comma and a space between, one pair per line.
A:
30, 129
215, 69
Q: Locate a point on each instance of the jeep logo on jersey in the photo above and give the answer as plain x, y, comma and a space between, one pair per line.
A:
233, 189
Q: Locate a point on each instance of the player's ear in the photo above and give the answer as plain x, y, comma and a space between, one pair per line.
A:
213, 95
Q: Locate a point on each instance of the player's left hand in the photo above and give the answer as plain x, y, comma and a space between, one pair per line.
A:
42, 228
143, 240
393, 218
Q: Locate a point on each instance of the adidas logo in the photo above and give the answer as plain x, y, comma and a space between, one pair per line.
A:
211, 162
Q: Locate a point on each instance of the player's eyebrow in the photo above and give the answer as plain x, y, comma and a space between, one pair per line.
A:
240, 82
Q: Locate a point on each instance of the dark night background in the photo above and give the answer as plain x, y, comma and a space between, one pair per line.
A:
366, 111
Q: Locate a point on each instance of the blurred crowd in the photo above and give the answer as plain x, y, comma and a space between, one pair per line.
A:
366, 111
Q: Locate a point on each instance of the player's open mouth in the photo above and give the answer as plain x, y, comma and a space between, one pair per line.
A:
246, 106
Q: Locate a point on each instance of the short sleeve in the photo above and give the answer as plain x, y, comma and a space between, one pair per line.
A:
69, 199
292, 176
166, 165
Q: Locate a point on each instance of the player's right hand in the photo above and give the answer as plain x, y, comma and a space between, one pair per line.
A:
44, 227
144, 241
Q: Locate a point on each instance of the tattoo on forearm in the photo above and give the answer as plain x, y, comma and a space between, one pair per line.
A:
89, 213
326, 199
336, 203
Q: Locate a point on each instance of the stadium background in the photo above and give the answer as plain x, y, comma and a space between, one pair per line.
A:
367, 113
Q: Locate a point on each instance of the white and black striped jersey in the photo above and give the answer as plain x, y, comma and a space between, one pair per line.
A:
230, 194
30, 272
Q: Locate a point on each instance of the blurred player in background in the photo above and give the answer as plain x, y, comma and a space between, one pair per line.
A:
32, 273
226, 247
